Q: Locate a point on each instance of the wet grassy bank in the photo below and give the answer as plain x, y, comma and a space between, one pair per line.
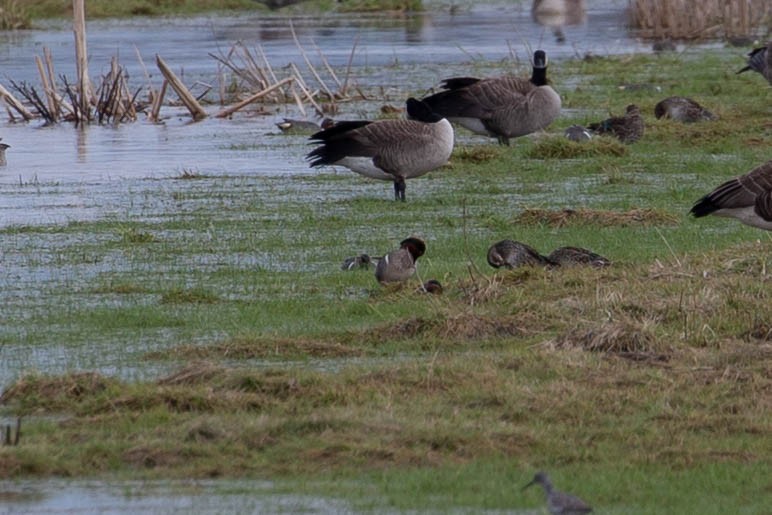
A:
642, 387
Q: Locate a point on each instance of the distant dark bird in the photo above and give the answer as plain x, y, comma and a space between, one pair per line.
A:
3, 147
513, 254
388, 150
360, 261
559, 503
747, 198
431, 286
628, 128
502, 107
760, 60
291, 126
682, 109
400, 265
577, 133
568, 256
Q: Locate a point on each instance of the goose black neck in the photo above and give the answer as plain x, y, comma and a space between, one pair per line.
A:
419, 110
539, 76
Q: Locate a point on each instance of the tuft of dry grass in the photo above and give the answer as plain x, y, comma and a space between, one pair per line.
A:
559, 147
463, 326
245, 347
475, 153
602, 218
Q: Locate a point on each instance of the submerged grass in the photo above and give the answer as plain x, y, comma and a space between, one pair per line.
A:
648, 379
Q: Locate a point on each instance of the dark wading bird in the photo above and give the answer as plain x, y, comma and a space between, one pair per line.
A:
399, 265
760, 60
559, 502
628, 128
747, 198
388, 150
682, 109
513, 254
502, 107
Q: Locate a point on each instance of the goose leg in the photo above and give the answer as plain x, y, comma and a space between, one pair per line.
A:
399, 189
503, 140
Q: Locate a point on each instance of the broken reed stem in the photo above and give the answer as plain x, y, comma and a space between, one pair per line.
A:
15, 104
157, 101
229, 111
308, 63
187, 98
344, 88
81, 58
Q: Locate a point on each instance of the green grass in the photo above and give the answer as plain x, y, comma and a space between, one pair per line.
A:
641, 387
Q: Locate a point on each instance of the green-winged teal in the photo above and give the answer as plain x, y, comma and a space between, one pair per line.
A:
568, 256
628, 128
399, 265
682, 109
559, 503
388, 150
512, 254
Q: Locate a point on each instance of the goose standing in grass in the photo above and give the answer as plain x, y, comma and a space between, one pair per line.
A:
388, 150
682, 109
760, 60
628, 128
400, 265
569, 256
503, 107
559, 503
747, 198
513, 254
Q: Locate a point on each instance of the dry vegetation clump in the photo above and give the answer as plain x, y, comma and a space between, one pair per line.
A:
463, 326
194, 373
13, 16
602, 218
52, 392
475, 153
625, 337
245, 347
559, 147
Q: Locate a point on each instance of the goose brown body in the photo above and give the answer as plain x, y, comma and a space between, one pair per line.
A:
387, 150
502, 107
747, 198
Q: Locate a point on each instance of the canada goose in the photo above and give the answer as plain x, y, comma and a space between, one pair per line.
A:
747, 198
360, 261
628, 128
559, 502
503, 107
682, 109
399, 265
577, 133
568, 256
3, 147
388, 150
760, 60
558, 14
291, 126
512, 254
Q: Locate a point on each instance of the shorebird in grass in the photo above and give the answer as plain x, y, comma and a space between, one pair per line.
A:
388, 150
559, 502
682, 109
400, 265
760, 60
512, 254
501, 107
747, 198
628, 128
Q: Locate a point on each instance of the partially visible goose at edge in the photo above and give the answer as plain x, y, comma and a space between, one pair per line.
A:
387, 150
400, 265
502, 107
628, 128
760, 60
747, 198
682, 109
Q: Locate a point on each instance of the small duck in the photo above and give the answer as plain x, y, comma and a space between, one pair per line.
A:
760, 60
747, 198
559, 503
577, 133
400, 265
628, 128
512, 254
360, 261
387, 150
568, 256
432, 286
682, 109
500, 107
291, 126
